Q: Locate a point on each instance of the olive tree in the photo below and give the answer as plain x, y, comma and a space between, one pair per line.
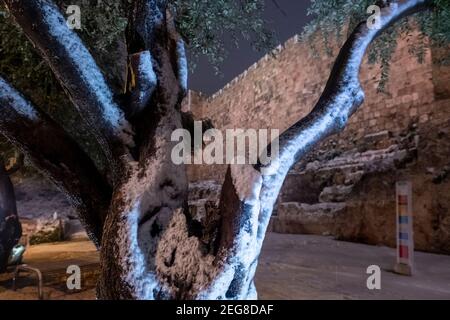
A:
114, 160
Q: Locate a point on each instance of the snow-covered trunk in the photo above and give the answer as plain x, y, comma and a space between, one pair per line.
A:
249, 193
144, 231
151, 247
10, 228
149, 200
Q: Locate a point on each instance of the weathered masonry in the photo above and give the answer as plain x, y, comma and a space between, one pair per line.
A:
346, 187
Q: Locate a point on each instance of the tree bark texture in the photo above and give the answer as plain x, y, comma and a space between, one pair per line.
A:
136, 211
10, 228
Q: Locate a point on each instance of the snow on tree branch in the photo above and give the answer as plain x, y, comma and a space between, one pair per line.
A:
56, 155
143, 80
9, 96
77, 71
341, 97
246, 211
147, 19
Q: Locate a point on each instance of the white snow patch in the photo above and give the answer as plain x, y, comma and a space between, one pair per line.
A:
182, 65
247, 181
133, 258
87, 69
14, 99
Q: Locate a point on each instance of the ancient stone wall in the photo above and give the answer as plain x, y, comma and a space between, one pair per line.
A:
282, 88
345, 187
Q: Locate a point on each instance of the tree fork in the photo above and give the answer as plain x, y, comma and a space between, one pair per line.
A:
149, 250
341, 97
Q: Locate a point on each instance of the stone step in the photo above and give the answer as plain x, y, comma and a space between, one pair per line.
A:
302, 218
338, 193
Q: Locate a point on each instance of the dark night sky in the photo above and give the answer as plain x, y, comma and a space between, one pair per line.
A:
285, 22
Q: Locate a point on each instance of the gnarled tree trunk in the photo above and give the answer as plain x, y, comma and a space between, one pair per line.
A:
10, 227
136, 211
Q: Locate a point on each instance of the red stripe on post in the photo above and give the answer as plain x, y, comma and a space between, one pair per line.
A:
403, 251
402, 200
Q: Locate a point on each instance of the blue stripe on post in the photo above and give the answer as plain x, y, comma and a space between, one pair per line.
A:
403, 236
402, 219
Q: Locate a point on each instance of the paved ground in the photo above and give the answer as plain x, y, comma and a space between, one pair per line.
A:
314, 267
291, 267
53, 260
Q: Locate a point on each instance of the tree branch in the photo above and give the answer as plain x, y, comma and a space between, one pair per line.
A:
145, 22
10, 228
152, 203
57, 156
147, 31
78, 73
342, 95
142, 81
249, 193
152, 31
179, 54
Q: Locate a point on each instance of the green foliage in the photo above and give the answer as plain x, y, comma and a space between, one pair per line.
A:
102, 26
204, 25
331, 17
103, 22
24, 67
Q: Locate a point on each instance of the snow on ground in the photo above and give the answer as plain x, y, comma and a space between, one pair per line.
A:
39, 199
291, 267
316, 267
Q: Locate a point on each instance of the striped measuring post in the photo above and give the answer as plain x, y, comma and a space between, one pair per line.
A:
405, 232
